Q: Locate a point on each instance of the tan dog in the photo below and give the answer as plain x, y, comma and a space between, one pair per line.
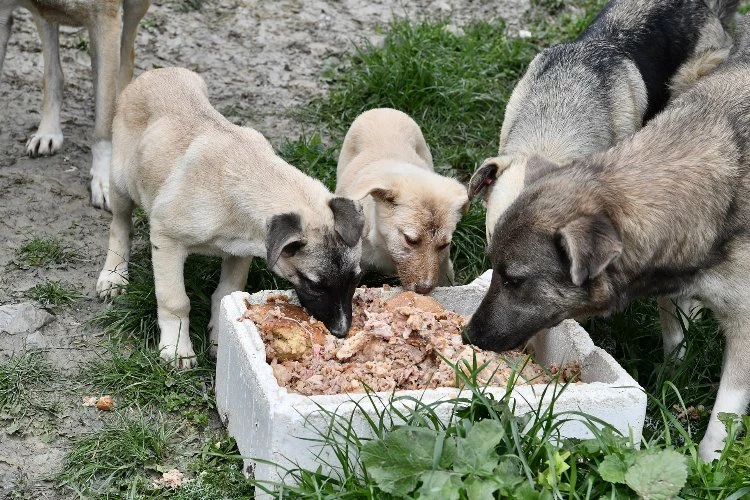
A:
410, 211
212, 187
112, 26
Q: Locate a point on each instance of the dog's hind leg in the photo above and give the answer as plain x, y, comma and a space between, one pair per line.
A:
172, 303
6, 26
133, 12
734, 387
672, 329
49, 137
234, 272
115, 272
105, 60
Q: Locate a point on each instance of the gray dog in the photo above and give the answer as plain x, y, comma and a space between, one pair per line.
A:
667, 211
582, 97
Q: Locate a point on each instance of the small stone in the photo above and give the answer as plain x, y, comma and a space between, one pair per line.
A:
23, 318
105, 403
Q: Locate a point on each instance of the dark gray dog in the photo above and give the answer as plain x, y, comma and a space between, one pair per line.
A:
582, 97
666, 212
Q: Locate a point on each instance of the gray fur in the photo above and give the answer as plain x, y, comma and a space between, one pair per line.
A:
665, 212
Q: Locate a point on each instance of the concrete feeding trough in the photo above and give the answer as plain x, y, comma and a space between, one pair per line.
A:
274, 426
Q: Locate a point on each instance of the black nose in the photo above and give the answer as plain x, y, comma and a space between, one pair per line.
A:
338, 332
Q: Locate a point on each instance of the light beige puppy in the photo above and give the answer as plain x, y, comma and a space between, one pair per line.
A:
112, 26
410, 211
215, 188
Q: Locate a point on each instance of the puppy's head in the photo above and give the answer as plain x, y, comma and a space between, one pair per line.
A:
320, 258
553, 255
500, 180
416, 217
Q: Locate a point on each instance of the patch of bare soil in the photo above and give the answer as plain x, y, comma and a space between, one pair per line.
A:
259, 58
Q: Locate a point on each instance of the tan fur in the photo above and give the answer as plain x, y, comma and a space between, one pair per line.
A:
385, 163
112, 26
209, 187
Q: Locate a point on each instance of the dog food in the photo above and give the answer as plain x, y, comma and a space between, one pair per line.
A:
408, 341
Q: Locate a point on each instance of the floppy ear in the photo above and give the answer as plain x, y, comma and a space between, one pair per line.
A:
379, 189
283, 236
348, 220
487, 173
537, 167
591, 243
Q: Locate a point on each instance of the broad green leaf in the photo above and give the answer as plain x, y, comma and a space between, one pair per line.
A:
526, 492
440, 485
397, 461
475, 454
481, 488
613, 469
658, 475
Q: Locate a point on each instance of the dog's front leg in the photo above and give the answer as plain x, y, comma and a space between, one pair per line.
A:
734, 387
49, 137
105, 60
234, 272
672, 330
173, 305
115, 272
6, 26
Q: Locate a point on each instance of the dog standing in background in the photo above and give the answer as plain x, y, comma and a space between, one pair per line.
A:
410, 211
582, 97
666, 211
215, 188
112, 26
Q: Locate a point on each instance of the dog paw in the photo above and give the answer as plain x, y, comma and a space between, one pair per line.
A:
44, 144
100, 164
178, 356
111, 283
100, 194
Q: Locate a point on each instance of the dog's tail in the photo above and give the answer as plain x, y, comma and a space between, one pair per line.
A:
725, 10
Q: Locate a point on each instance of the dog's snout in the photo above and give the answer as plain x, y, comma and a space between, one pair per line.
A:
424, 287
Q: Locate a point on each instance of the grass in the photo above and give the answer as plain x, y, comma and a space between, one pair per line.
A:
54, 294
110, 460
44, 251
26, 399
455, 86
139, 377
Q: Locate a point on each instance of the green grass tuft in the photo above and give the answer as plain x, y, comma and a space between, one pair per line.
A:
113, 458
138, 376
42, 251
25, 395
54, 294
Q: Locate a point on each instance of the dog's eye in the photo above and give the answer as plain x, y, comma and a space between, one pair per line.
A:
443, 246
410, 240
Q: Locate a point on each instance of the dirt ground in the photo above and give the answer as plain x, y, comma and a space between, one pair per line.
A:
259, 58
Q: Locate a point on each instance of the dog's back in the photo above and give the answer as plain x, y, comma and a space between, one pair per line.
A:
379, 134
659, 37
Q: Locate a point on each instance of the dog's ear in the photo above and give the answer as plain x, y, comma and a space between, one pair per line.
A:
591, 243
487, 173
283, 236
348, 219
537, 167
378, 188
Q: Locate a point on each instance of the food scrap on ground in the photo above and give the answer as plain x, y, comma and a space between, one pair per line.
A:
408, 341
171, 479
